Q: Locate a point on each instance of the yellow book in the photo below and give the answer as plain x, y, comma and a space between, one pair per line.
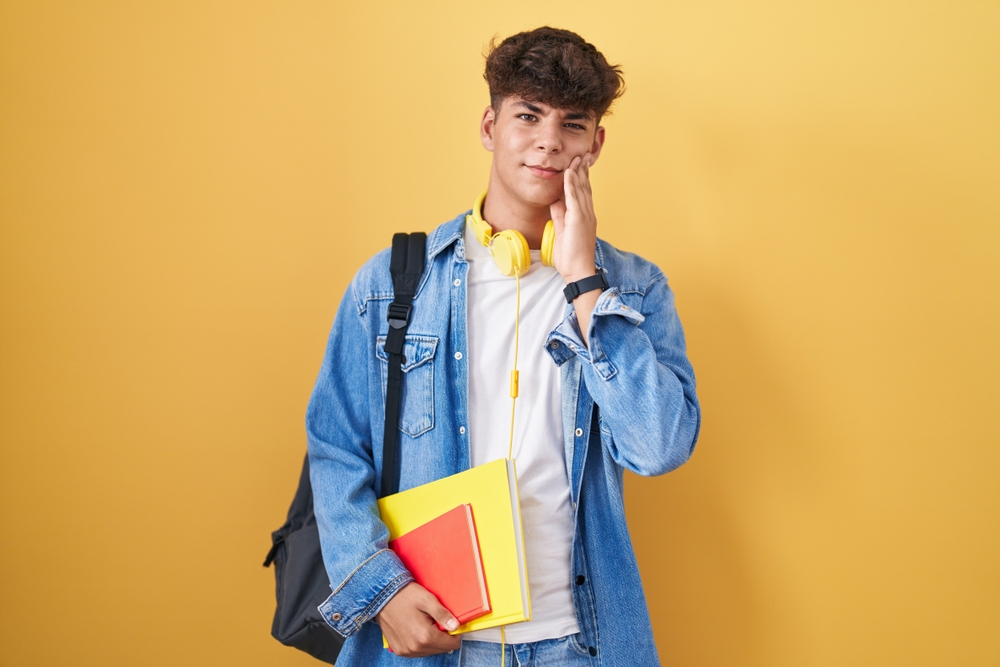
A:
491, 489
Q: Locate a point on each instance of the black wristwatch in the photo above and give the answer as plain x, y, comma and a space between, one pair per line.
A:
596, 281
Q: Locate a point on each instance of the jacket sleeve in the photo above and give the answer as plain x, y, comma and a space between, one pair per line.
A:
636, 369
364, 573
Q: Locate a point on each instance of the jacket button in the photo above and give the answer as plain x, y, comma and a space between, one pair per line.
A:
458, 356
580, 579
336, 617
592, 650
579, 432
554, 344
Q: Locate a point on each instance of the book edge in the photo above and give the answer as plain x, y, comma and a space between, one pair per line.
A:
483, 591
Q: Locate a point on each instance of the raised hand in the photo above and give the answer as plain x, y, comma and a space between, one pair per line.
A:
575, 223
576, 235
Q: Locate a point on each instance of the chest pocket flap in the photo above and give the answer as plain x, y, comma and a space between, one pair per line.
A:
416, 415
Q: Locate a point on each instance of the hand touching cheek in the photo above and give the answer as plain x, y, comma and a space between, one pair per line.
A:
575, 223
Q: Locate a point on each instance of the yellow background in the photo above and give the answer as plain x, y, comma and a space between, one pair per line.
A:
187, 187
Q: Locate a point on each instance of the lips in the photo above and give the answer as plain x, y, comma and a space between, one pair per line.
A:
544, 172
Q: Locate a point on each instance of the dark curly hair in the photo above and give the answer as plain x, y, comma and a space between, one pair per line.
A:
555, 67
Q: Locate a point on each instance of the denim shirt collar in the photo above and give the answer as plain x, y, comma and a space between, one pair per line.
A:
444, 235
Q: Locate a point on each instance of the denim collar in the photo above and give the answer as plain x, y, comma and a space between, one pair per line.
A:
444, 235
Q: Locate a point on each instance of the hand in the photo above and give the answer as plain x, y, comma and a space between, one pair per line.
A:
575, 223
576, 236
410, 619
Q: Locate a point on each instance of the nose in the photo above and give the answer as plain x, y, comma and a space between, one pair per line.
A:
549, 139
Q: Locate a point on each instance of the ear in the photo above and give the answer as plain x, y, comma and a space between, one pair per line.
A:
486, 128
595, 148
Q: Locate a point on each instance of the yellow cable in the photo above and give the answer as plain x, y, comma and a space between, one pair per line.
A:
513, 374
513, 403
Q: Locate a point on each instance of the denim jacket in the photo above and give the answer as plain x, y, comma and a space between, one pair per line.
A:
628, 401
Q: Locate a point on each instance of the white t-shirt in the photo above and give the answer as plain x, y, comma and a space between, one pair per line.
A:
542, 480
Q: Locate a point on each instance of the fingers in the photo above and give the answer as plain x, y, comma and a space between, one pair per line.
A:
571, 183
576, 186
581, 164
585, 163
410, 623
430, 606
579, 169
433, 640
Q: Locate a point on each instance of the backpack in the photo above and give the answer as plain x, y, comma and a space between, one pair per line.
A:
301, 582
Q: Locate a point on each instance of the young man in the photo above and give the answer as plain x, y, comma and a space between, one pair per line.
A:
605, 385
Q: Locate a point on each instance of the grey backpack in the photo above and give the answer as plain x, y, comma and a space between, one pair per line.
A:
300, 576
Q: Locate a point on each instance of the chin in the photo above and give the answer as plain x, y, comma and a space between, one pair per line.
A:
542, 196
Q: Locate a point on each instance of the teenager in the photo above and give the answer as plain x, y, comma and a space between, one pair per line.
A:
605, 385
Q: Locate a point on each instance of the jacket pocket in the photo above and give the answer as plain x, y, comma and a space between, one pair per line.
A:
416, 415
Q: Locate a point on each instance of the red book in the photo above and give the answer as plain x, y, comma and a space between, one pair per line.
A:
443, 557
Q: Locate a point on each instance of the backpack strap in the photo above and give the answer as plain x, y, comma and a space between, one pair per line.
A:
406, 266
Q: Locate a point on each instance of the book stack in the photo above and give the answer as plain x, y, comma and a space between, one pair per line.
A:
462, 540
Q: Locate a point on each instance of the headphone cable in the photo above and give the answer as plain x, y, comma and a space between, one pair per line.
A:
513, 404
514, 373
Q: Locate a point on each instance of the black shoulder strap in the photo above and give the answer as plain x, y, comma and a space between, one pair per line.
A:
406, 267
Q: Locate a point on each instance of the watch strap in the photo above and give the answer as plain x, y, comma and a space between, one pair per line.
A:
589, 284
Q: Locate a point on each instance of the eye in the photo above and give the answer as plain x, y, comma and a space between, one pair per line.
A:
575, 126
526, 116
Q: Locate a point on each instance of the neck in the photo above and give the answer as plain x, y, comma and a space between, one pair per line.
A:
503, 211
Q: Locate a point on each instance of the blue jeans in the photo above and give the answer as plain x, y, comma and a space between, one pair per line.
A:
565, 651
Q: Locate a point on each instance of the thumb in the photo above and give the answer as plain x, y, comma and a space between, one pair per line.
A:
444, 618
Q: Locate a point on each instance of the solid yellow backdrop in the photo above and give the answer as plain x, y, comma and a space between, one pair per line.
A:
187, 187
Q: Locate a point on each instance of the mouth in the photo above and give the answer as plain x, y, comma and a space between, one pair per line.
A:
544, 172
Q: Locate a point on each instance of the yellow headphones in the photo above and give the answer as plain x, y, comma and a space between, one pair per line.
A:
509, 247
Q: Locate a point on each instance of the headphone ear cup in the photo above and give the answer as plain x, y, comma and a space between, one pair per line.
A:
510, 251
548, 243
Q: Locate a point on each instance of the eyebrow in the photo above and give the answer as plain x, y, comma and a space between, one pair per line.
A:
572, 115
530, 107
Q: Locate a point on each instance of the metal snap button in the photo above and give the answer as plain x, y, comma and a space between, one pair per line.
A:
458, 356
579, 432
336, 617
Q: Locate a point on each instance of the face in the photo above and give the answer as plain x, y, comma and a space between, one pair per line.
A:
532, 144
